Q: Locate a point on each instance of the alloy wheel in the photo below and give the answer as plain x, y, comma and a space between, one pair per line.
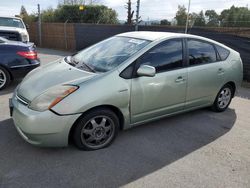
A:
98, 131
224, 97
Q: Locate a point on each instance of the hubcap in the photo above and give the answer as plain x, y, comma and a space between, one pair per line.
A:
2, 78
224, 97
97, 132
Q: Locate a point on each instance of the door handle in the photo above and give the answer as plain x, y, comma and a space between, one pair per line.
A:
179, 79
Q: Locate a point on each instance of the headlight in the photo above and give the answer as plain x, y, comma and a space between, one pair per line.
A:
51, 97
24, 37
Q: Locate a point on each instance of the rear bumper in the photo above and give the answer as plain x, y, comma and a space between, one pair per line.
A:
44, 129
19, 71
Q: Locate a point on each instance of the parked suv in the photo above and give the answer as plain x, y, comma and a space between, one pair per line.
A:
121, 82
13, 28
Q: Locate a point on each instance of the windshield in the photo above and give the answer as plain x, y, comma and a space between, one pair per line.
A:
11, 22
108, 54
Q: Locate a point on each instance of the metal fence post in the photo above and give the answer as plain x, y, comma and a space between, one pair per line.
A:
65, 34
39, 25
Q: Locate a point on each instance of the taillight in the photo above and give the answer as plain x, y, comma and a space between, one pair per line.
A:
28, 54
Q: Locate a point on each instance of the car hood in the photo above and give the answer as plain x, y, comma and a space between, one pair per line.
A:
44, 77
18, 43
5, 28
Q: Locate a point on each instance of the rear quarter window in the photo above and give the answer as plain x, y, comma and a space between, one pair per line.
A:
223, 53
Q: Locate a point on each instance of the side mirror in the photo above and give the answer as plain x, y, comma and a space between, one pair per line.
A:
27, 26
146, 70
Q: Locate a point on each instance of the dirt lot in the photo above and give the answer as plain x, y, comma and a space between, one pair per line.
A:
196, 149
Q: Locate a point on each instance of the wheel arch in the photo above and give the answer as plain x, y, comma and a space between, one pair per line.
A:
6, 68
116, 110
233, 85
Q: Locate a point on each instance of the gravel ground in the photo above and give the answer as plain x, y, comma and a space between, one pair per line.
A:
196, 149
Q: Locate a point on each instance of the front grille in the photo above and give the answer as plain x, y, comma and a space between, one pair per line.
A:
11, 35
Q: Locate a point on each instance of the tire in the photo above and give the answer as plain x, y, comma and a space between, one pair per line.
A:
223, 98
96, 129
4, 78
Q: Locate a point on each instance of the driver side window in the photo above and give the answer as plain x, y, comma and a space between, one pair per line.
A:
164, 57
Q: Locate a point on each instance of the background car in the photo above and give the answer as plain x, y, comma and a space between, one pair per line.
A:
16, 60
121, 82
13, 28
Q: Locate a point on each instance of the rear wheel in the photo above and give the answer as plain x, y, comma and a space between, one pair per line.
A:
96, 129
223, 99
4, 78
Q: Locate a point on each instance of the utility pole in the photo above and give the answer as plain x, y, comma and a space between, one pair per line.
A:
65, 34
137, 15
39, 25
189, 1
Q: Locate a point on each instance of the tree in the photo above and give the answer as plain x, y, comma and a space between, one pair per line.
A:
71, 13
198, 19
213, 18
79, 2
108, 16
235, 17
181, 15
91, 14
130, 13
165, 22
72, 2
25, 16
48, 15
23, 11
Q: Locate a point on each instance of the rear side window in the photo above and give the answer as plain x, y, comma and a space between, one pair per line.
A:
223, 53
201, 52
164, 57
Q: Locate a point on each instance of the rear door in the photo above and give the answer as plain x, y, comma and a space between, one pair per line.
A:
205, 73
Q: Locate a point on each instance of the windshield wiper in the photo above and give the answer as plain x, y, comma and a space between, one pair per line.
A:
70, 60
88, 67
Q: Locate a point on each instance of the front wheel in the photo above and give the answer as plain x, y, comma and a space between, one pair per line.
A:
223, 99
96, 129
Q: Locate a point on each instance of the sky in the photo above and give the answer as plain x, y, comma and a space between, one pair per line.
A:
149, 9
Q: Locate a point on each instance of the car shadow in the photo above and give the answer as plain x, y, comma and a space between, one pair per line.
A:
136, 152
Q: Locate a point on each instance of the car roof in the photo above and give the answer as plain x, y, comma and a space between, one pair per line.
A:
152, 35
14, 17
155, 35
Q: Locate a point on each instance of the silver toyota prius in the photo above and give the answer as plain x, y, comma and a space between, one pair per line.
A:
123, 81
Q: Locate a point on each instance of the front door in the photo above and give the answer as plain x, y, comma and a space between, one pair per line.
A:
165, 93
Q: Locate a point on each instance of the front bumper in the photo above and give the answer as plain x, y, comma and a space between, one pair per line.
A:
44, 129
